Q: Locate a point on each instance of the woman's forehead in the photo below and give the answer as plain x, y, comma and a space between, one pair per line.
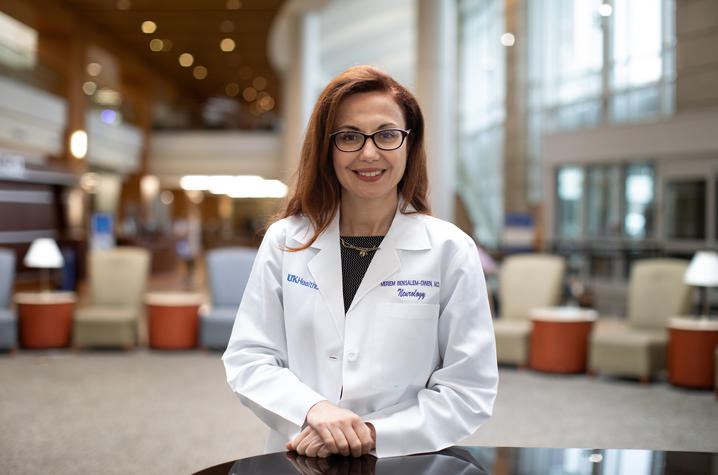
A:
369, 109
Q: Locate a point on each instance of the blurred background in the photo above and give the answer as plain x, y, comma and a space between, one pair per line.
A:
583, 129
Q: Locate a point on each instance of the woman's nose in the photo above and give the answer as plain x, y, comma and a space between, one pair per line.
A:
369, 152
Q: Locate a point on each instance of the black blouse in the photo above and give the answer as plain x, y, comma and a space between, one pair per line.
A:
355, 266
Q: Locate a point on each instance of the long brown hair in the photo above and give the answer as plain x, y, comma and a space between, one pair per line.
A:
317, 190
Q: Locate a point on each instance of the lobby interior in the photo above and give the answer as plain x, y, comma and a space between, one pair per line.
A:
579, 130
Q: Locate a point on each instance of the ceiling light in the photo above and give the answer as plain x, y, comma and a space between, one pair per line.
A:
199, 72
89, 87
167, 197
94, 69
227, 45
108, 116
231, 89
156, 45
108, 97
249, 94
605, 10
123, 4
149, 27
78, 144
195, 182
508, 39
186, 60
266, 103
234, 4
259, 83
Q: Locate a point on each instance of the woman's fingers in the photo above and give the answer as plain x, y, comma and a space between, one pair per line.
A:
366, 441
292, 445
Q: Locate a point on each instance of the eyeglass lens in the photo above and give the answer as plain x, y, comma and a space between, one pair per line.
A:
350, 141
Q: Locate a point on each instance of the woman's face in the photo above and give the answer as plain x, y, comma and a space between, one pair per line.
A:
369, 173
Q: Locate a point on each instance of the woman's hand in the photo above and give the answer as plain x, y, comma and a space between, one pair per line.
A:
339, 430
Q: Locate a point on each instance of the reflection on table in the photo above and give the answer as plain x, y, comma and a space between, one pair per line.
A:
483, 460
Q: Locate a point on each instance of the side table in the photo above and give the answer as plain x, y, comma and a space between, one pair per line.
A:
691, 346
45, 318
173, 319
559, 338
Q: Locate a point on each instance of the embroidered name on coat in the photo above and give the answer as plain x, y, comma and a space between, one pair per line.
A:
295, 279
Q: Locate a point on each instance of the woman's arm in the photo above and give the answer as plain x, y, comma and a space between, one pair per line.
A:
459, 395
256, 357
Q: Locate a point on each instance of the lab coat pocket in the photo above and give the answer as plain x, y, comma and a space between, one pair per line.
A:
405, 349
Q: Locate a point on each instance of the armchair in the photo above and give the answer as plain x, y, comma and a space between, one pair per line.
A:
638, 348
526, 281
118, 278
228, 271
8, 319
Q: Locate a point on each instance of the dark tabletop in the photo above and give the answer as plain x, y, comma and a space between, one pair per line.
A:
483, 460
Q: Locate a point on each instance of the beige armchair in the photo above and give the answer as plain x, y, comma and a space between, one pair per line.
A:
525, 281
637, 348
118, 278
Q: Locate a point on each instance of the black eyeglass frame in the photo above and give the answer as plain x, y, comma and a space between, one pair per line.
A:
404, 133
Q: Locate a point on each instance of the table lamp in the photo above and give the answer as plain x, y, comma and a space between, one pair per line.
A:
703, 272
44, 254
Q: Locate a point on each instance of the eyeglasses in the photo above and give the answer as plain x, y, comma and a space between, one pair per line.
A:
384, 139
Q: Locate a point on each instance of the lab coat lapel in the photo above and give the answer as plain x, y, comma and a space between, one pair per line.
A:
405, 232
326, 269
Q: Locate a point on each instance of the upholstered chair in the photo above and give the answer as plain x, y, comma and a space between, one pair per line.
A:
118, 278
228, 271
526, 281
8, 319
637, 347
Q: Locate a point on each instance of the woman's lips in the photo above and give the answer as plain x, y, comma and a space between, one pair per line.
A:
369, 175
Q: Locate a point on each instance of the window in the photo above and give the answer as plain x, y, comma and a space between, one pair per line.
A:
685, 209
638, 216
482, 113
603, 196
569, 214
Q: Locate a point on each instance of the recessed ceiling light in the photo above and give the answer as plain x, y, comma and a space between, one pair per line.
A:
249, 94
227, 45
94, 69
231, 89
149, 27
199, 72
508, 39
266, 103
259, 83
89, 87
234, 4
186, 60
156, 44
123, 4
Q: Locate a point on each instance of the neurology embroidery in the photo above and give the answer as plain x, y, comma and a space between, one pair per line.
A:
411, 293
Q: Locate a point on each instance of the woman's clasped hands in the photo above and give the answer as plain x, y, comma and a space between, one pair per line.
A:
333, 430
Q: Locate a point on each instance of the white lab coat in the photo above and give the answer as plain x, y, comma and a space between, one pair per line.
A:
414, 354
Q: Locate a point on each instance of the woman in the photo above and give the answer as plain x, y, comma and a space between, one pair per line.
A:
365, 323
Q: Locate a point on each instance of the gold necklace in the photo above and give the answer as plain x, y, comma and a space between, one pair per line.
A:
363, 251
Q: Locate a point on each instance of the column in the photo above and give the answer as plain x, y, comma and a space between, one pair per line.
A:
436, 91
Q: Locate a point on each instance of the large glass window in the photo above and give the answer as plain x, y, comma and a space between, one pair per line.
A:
482, 113
685, 209
638, 219
641, 72
603, 201
569, 215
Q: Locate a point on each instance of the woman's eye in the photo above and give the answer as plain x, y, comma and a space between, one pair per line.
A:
349, 137
388, 134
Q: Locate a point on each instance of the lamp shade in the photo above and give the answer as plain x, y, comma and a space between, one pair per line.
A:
44, 253
703, 269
